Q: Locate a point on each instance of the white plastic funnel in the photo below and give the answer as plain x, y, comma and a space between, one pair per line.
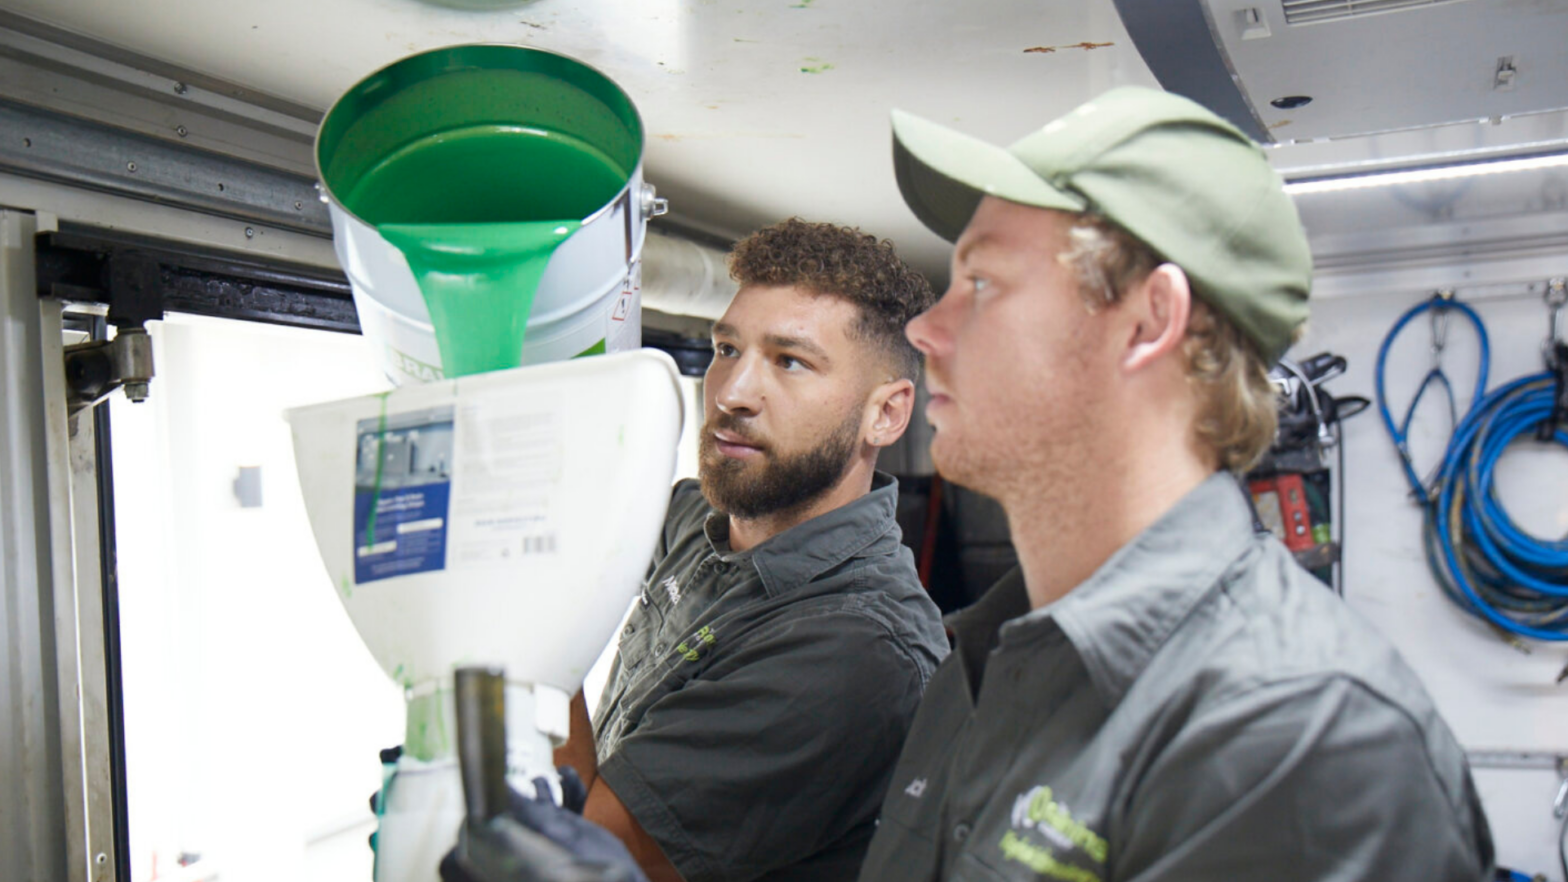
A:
515, 512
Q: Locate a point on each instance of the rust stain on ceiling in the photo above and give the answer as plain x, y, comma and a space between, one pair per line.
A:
1085, 45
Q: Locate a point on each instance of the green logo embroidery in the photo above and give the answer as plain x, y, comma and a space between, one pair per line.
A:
691, 650
1040, 859
1038, 811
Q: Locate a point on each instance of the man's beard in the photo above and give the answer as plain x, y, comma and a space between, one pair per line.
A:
774, 484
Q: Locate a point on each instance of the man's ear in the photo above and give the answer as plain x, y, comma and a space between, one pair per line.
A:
888, 412
1157, 311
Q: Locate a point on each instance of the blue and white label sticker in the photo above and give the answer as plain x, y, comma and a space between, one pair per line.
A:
402, 493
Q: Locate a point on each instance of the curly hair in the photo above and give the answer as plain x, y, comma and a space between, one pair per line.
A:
1238, 407
842, 262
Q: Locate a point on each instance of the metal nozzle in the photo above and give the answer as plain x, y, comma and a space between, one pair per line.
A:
481, 741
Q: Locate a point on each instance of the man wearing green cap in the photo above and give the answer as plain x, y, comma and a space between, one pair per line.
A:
1159, 692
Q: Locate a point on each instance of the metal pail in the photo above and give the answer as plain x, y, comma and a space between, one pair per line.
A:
446, 173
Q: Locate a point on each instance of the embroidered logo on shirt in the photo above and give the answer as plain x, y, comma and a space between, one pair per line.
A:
672, 588
692, 649
916, 788
1038, 812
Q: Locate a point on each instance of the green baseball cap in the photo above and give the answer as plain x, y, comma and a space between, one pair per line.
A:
1188, 184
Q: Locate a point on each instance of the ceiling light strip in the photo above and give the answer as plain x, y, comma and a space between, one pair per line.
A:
1424, 175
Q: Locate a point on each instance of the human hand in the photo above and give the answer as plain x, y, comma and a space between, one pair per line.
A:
538, 841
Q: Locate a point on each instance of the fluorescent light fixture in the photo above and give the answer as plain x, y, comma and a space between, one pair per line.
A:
1424, 175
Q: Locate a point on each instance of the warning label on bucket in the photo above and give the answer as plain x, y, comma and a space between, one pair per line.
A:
624, 331
402, 490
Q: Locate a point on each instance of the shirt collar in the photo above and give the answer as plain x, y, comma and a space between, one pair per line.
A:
1120, 616
811, 548
973, 630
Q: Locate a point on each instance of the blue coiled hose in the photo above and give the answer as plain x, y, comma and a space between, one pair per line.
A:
1478, 554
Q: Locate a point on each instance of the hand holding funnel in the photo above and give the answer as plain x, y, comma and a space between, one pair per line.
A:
507, 837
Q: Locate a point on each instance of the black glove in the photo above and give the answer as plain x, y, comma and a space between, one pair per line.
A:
538, 841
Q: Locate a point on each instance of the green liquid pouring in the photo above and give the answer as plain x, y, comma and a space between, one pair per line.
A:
478, 212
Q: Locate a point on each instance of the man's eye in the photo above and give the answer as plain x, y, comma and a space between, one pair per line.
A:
980, 283
789, 362
724, 350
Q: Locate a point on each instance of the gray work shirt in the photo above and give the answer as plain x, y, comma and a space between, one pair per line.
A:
1199, 709
758, 699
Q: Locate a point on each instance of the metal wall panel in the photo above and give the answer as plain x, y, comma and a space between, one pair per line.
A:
32, 816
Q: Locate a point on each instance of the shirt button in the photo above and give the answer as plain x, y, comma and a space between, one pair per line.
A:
630, 629
658, 648
961, 832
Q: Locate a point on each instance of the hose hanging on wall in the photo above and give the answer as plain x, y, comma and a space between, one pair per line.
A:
1482, 559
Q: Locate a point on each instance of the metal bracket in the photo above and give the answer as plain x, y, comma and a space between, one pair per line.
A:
135, 289
1555, 352
95, 369
1442, 300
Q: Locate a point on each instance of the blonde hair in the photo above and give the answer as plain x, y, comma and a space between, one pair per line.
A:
1237, 406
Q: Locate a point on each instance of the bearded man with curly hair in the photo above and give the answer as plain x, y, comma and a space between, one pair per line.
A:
767, 677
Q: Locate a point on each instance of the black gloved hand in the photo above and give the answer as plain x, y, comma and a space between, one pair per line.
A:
574, 795
538, 841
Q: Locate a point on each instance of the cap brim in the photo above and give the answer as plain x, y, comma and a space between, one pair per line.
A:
944, 174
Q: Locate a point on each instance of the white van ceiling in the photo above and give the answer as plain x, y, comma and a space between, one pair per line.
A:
755, 110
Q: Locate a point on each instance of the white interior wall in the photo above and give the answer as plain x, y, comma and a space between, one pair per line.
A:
1492, 695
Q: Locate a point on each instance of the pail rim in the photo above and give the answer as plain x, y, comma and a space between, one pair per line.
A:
451, 59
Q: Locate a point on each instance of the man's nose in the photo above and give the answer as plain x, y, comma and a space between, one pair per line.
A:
740, 389
929, 331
